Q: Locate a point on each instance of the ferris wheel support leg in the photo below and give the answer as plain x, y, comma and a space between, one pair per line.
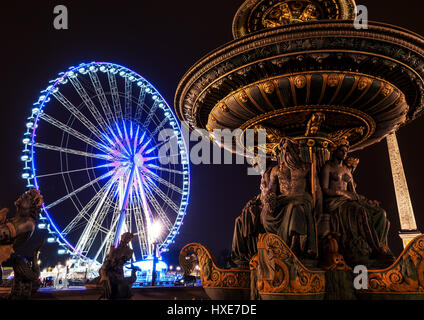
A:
124, 206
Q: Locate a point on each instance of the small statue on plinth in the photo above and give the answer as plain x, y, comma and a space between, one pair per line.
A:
17, 230
114, 285
26, 280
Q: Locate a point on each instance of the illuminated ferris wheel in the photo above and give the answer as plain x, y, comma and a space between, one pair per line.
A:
107, 153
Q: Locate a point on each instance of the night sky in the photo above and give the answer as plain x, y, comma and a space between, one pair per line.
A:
161, 40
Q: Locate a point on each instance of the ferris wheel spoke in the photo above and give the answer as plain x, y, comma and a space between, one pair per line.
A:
152, 112
128, 98
160, 144
73, 171
96, 228
118, 141
161, 213
141, 148
128, 221
84, 212
106, 175
127, 137
160, 127
115, 95
141, 229
145, 205
77, 114
140, 103
79, 88
108, 240
72, 151
166, 158
73, 132
162, 181
163, 196
155, 167
102, 97
90, 231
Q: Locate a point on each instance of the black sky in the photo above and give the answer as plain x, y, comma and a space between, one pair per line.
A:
161, 40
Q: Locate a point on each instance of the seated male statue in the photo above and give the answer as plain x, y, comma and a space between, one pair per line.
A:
288, 205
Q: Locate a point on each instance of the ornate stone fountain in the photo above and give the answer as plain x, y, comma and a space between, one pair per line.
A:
302, 71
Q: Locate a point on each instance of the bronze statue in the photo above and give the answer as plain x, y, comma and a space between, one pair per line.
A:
288, 205
115, 286
26, 280
248, 227
17, 230
362, 223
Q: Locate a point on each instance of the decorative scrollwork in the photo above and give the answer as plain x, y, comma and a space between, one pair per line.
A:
405, 276
280, 272
210, 275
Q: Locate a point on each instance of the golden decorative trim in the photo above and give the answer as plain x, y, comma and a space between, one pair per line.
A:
368, 122
269, 87
253, 101
334, 80
300, 53
314, 124
364, 83
396, 279
299, 81
211, 276
243, 96
286, 274
292, 76
345, 134
285, 12
377, 32
351, 91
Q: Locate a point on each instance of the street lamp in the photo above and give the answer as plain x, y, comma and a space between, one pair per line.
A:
156, 231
